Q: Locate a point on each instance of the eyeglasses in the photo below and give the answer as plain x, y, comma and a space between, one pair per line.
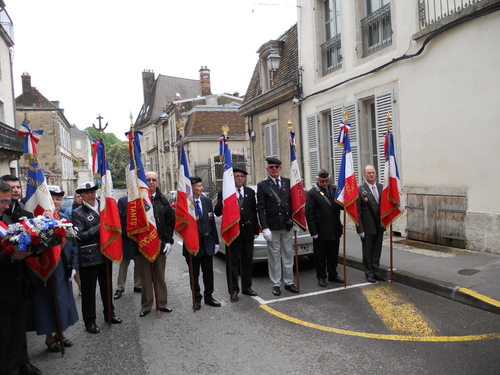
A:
5, 201
274, 166
323, 180
152, 179
239, 176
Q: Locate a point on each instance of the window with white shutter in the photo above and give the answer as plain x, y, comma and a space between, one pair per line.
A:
383, 105
313, 144
271, 139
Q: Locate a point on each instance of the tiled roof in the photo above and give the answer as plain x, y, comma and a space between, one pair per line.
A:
35, 99
208, 121
289, 64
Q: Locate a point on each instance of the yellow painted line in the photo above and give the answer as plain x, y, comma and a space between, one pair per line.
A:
397, 314
480, 296
381, 336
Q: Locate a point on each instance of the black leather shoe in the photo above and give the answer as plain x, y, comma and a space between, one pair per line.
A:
371, 279
292, 288
166, 309
29, 369
234, 297
92, 328
379, 278
322, 283
276, 290
137, 290
114, 320
143, 313
197, 305
335, 279
118, 294
211, 302
249, 292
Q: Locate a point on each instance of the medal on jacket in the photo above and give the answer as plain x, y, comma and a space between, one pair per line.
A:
90, 218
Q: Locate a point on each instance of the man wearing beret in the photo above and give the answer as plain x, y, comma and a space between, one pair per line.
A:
273, 207
92, 264
242, 247
209, 246
323, 221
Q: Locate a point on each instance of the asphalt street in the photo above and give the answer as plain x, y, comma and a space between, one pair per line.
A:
385, 328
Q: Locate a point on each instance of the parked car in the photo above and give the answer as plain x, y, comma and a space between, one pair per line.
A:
67, 202
304, 241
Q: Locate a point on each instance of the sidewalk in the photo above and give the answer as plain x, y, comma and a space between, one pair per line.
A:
465, 276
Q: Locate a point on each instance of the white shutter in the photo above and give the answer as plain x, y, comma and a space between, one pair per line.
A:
354, 137
271, 141
313, 144
337, 116
383, 105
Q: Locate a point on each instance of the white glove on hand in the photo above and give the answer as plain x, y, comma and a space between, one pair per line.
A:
167, 249
295, 229
362, 234
255, 236
216, 249
267, 234
315, 237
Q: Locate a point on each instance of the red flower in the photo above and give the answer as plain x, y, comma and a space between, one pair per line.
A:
60, 232
7, 248
35, 240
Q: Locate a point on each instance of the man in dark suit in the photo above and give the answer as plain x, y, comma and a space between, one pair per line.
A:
209, 245
370, 229
273, 207
323, 220
242, 247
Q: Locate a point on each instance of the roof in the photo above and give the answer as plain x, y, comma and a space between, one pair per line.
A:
166, 89
37, 100
208, 121
289, 64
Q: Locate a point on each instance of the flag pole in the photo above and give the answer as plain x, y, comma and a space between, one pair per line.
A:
390, 252
296, 245
391, 272
155, 289
107, 261
345, 254
59, 331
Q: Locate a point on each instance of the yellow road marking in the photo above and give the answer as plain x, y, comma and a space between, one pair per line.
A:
381, 336
397, 314
480, 296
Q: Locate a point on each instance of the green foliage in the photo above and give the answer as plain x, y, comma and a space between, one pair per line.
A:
108, 138
118, 158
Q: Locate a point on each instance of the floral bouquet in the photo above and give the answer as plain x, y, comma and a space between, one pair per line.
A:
36, 235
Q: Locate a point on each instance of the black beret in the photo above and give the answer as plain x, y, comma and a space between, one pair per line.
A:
241, 170
273, 161
323, 173
195, 180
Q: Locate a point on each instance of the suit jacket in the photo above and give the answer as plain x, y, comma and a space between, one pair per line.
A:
273, 214
207, 231
323, 214
249, 224
369, 210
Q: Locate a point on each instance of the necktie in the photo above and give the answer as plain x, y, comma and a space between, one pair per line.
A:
375, 192
197, 208
240, 196
278, 182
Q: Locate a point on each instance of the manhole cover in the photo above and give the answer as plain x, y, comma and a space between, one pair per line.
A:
468, 271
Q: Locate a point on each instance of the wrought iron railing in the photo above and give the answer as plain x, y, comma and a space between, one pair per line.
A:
432, 11
7, 24
332, 55
9, 140
377, 30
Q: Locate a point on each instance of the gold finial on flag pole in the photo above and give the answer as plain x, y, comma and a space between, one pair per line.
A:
100, 128
225, 131
26, 118
180, 127
290, 125
131, 120
388, 118
346, 115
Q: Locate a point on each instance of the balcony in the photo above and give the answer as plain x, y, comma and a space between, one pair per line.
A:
7, 24
377, 31
331, 52
9, 140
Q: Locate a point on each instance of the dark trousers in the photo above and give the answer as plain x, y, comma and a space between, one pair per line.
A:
207, 267
241, 254
89, 276
12, 335
372, 250
326, 258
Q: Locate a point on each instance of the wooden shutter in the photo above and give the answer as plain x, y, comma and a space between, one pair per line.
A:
383, 105
313, 144
271, 139
337, 116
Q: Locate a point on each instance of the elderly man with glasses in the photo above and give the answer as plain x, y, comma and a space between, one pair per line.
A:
323, 221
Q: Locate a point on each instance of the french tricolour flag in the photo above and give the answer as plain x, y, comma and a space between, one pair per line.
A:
297, 194
391, 202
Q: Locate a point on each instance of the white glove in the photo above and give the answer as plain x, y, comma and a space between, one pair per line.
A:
167, 249
73, 273
255, 236
362, 234
315, 237
216, 249
267, 234
295, 229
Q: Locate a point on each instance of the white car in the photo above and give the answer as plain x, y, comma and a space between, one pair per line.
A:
304, 241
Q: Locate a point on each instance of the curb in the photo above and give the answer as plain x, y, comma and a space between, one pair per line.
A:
438, 287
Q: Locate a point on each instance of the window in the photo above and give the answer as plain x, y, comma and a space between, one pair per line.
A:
78, 144
376, 26
313, 143
271, 139
331, 50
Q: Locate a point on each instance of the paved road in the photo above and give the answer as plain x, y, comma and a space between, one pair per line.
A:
366, 329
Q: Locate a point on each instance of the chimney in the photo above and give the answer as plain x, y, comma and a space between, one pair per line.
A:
205, 81
148, 80
27, 100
